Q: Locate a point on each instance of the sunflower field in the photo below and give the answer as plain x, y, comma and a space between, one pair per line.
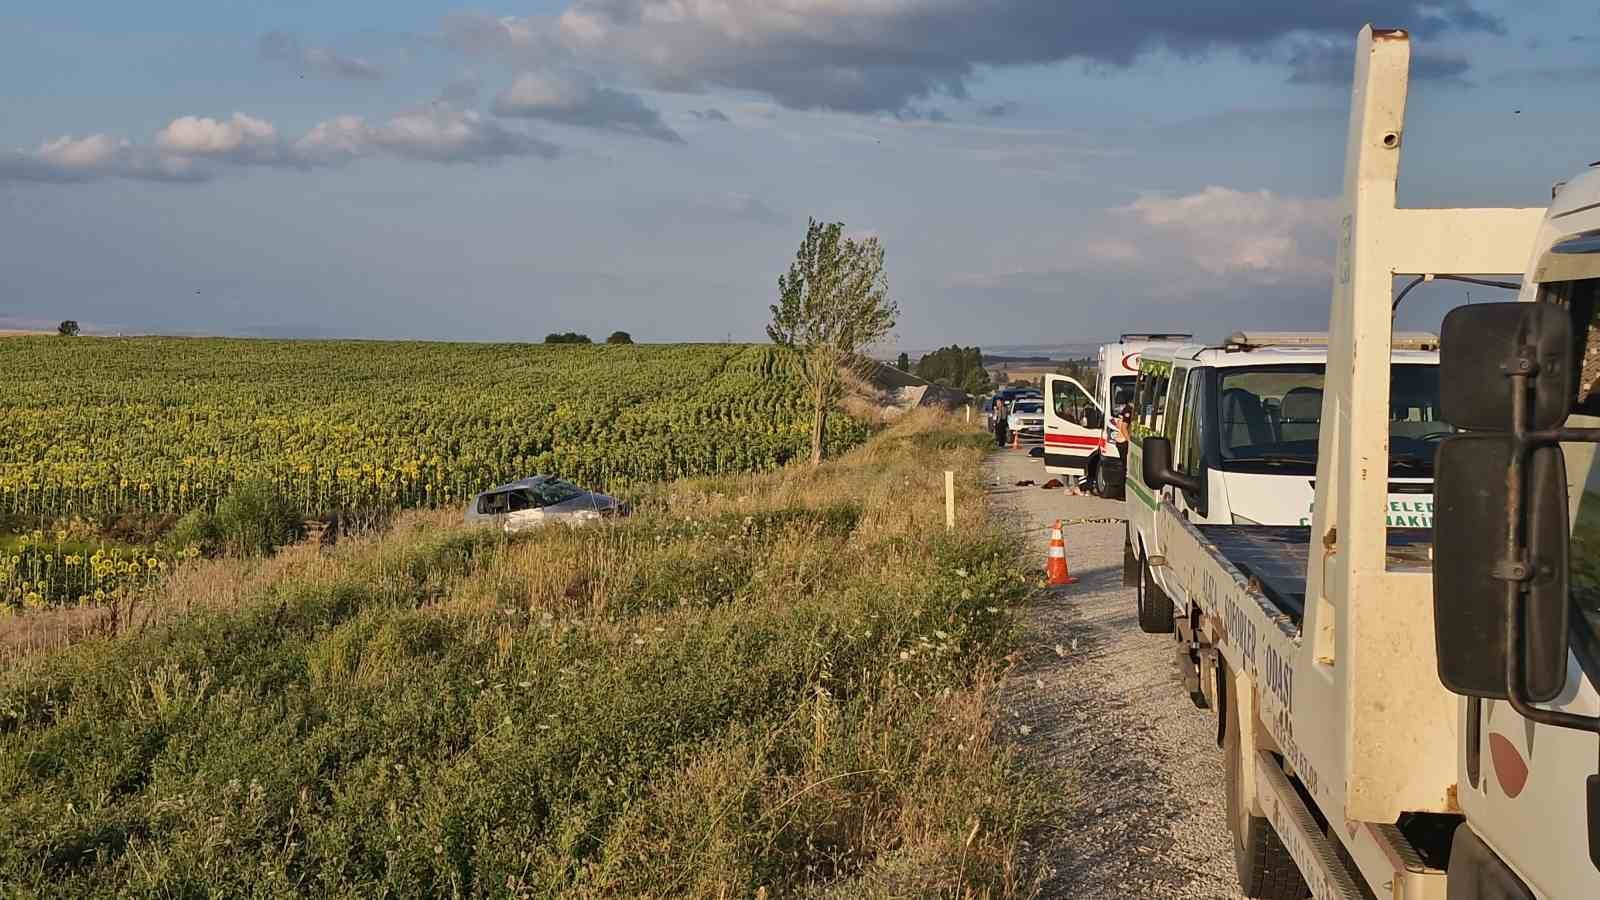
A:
97, 427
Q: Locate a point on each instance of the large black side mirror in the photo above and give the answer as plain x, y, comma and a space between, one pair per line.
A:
1158, 471
1094, 418
1471, 509
1479, 346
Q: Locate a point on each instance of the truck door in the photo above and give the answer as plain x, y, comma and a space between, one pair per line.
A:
1073, 425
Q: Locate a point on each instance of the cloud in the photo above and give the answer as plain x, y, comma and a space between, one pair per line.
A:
997, 110
438, 132
1222, 231
883, 55
576, 99
1327, 61
240, 139
736, 207
197, 148
1182, 246
280, 46
710, 115
463, 90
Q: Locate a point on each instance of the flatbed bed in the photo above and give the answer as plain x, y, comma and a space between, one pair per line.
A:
1274, 557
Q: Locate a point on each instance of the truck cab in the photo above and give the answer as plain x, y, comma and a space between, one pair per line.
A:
1244, 419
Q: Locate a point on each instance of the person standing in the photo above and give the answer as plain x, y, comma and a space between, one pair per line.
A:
1124, 433
999, 422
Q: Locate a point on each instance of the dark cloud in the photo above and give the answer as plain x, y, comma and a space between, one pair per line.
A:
997, 110
281, 46
1331, 62
710, 115
885, 57
576, 99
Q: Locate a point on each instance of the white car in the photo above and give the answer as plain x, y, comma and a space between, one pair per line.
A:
1026, 420
540, 500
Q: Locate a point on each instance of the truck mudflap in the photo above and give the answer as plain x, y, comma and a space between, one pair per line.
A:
1478, 873
1319, 863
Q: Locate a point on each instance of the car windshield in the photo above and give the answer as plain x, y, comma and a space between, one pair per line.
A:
1270, 417
1028, 406
552, 492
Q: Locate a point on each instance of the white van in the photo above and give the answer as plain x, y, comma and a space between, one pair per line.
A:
1073, 448
1244, 420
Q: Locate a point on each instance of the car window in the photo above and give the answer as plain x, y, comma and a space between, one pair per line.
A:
1069, 401
493, 504
552, 492
1189, 442
1173, 387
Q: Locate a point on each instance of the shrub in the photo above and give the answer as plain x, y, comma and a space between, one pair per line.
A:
254, 520
197, 529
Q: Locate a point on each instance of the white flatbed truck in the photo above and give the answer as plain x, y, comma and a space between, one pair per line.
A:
1374, 748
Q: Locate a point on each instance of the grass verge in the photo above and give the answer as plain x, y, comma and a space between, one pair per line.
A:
773, 684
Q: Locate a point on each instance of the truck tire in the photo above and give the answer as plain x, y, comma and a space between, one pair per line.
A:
1266, 870
1102, 481
1155, 607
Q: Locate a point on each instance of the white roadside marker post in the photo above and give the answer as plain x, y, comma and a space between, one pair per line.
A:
949, 500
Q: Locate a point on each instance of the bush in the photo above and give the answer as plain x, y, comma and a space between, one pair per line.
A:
198, 529
254, 520
620, 337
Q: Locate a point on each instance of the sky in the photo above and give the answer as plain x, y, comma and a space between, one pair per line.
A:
1038, 171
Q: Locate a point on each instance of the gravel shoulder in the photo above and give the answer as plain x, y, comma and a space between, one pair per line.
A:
1098, 700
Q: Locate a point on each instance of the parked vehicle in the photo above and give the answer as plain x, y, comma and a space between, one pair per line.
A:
1244, 419
1405, 712
1074, 448
1026, 420
541, 500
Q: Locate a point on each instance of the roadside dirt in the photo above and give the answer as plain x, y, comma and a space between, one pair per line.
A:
1099, 700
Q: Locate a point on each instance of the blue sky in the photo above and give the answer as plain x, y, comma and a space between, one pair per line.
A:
1040, 171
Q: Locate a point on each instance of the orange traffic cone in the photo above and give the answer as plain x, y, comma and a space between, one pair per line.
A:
1056, 559
1016, 442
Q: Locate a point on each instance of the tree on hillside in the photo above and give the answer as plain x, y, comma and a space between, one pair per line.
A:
567, 337
68, 328
620, 337
956, 366
833, 304
903, 363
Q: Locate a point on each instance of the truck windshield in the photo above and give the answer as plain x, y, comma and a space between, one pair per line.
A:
1121, 394
1269, 419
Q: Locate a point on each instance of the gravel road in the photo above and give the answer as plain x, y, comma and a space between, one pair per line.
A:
1099, 700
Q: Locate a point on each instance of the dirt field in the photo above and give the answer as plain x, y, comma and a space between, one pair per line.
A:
1098, 699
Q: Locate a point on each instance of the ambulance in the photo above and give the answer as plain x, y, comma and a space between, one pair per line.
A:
1073, 447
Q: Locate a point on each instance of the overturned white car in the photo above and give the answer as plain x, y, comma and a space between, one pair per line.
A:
540, 500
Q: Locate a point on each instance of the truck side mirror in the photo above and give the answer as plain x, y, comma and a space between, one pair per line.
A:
1470, 571
1158, 471
1481, 345
1094, 418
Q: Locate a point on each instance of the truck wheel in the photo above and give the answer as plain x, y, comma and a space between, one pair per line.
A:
1266, 870
1155, 607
